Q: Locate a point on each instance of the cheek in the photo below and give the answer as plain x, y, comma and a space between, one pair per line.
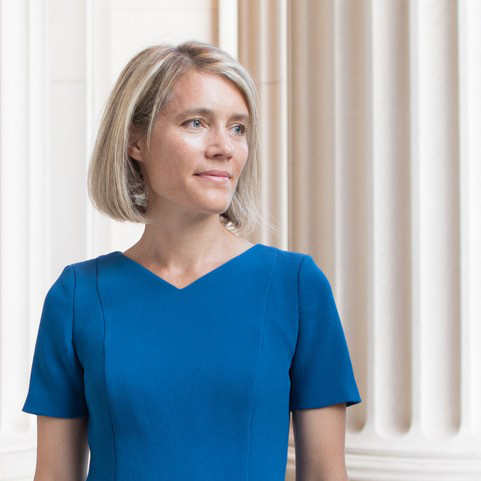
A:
171, 167
176, 158
242, 155
191, 143
182, 155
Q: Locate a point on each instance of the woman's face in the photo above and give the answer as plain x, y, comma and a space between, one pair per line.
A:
186, 141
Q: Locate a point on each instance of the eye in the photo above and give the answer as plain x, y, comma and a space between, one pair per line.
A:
192, 120
242, 127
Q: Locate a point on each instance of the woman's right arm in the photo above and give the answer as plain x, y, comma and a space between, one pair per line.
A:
62, 449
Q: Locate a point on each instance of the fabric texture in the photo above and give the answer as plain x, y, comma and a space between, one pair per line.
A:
193, 383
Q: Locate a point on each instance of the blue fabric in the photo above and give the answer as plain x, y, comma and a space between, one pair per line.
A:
193, 383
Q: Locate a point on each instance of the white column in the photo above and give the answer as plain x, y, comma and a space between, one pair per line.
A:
23, 198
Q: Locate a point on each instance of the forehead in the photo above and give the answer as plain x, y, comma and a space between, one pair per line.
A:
197, 89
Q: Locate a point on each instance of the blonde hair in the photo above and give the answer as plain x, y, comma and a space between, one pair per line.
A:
115, 182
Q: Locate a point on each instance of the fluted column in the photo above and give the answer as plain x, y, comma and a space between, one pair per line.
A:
384, 168
262, 49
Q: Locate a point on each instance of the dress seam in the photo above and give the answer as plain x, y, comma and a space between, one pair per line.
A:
74, 346
105, 370
298, 296
73, 308
258, 363
298, 320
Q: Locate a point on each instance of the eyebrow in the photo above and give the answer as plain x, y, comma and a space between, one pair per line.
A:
206, 111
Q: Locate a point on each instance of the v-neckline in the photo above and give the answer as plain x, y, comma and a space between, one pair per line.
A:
210, 273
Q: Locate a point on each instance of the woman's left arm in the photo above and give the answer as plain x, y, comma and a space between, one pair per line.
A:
319, 438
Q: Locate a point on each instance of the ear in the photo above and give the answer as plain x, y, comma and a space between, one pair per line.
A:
136, 146
135, 151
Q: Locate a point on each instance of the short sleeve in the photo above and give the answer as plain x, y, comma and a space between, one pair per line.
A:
56, 385
321, 372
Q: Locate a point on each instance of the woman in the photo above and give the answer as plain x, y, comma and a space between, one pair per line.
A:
182, 357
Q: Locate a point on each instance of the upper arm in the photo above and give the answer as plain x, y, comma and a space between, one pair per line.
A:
321, 372
57, 376
319, 436
322, 380
62, 449
56, 391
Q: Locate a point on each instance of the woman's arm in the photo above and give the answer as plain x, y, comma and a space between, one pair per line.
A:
62, 449
319, 438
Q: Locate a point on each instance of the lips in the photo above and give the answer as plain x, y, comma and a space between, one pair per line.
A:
219, 177
214, 173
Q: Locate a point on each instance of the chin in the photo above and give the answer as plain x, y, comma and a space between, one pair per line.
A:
212, 207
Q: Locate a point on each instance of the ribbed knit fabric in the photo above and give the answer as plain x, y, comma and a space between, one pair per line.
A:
193, 383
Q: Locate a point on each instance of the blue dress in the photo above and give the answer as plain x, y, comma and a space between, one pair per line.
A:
193, 383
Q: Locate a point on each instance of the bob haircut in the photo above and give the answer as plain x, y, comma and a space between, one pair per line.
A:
145, 86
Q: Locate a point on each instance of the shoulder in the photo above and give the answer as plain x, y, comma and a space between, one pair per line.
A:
300, 267
71, 276
89, 266
284, 255
84, 266
300, 262
310, 278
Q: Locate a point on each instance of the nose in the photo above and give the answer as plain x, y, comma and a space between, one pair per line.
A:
220, 143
